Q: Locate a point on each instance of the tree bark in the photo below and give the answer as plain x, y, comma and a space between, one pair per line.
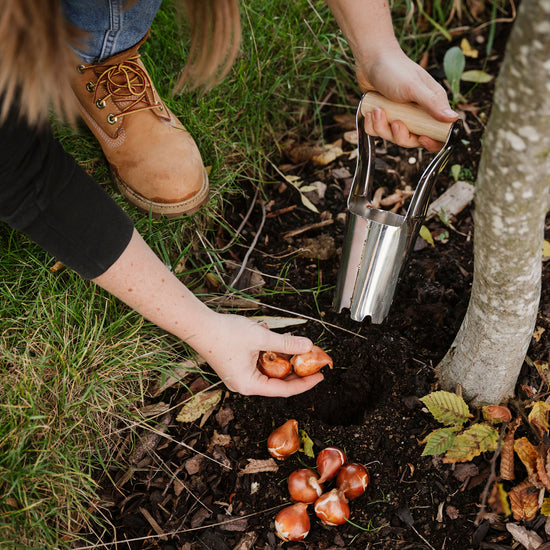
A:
512, 199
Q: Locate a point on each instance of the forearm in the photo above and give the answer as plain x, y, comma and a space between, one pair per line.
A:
367, 26
143, 282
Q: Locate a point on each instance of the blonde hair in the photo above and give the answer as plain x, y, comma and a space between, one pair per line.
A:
36, 58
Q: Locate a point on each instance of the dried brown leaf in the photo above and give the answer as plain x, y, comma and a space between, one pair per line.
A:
497, 413
303, 152
329, 153
346, 121
507, 452
259, 466
538, 417
541, 468
528, 454
524, 501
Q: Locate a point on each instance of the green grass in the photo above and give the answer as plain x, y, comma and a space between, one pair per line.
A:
74, 362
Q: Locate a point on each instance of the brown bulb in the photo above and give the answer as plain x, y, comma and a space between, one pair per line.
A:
329, 461
303, 486
292, 522
273, 365
352, 480
332, 508
284, 441
311, 362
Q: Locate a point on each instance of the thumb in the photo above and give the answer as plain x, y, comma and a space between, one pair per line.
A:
433, 98
286, 343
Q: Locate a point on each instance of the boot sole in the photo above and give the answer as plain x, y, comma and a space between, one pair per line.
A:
159, 209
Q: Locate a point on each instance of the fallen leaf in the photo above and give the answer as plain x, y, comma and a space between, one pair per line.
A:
426, 235
496, 413
193, 465
528, 454
543, 368
529, 539
259, 466
538, 417
224, 416
346, 121
498, 500
537, 333
507, 452
351, 137
476, 439
330, 152
278, 322
546, 249
541, 469
462, 472
198, 405
479, 77
524, 501
467, 49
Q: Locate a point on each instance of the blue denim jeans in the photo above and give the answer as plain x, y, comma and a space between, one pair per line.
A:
110, 27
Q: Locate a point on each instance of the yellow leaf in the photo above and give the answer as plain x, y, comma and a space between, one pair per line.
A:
538, 416
477, 439
528, 454
503, 495
546, 249
545, 509
426, 235
481, 77
467, 49
199, 404
543, 368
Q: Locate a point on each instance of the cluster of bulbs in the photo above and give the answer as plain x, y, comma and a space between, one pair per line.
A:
306, 486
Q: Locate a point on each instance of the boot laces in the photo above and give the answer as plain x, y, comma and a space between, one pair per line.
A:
126, 83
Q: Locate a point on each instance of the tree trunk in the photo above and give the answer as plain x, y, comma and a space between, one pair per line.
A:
512, 199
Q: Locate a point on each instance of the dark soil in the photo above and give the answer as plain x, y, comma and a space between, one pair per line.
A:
368, 404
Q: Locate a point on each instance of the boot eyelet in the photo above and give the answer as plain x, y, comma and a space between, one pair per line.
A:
81, 68
111, 119
90, 86
100, 104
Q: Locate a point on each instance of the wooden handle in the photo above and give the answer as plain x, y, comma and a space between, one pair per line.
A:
415, 118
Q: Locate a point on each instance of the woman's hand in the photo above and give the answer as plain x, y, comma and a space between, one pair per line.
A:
232, 346
391, 73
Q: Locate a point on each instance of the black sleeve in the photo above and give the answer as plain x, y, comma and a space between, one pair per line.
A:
47, 196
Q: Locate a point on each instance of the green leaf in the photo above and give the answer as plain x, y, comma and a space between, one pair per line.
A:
477, 439
454, 62
438, 441
447, 408
480, 77
306, 444
455, 171
426, 235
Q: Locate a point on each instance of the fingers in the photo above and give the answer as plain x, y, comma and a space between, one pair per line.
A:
286, 343
273, 387
376, 124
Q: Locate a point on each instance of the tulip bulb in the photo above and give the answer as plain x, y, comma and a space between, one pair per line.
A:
311, 362
284, 441
273, 365
352, 480
329, 461
292, 522
303, 486
332, 508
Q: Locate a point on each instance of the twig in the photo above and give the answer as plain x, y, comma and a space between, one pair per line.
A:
249, 251
179, 531
492, 478
243, 223
300, 230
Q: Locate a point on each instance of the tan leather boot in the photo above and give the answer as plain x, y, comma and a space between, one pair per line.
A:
154, 161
